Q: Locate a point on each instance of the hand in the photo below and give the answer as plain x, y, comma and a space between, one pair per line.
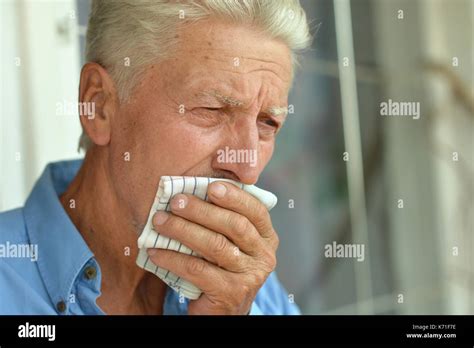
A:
234, 236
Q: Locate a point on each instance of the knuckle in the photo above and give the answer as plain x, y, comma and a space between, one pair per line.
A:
239, 224
195, 266
240, 263
248, 238
256, 280
276, 240
246, 290
247, 204
273, 263
218, 243
243, 230
262, 216
261, 211
269, 261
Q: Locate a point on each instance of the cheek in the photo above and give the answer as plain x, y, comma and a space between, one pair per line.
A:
171, 145
188, 145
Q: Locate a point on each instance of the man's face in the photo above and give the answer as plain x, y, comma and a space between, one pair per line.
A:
216, 94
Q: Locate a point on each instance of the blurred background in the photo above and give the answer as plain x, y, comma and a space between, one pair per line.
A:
343, 172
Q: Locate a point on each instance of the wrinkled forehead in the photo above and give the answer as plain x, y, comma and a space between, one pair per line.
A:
241, 60
241, 47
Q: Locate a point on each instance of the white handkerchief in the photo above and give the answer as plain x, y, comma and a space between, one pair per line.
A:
170, 186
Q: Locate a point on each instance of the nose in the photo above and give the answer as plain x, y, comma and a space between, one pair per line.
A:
239, 153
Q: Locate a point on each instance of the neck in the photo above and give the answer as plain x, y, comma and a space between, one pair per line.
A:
107, 226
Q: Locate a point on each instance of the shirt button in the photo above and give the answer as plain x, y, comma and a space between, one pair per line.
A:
90, 272
61, 306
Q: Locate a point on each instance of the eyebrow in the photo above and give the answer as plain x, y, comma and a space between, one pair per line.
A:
278, 111
273, 110
225, 99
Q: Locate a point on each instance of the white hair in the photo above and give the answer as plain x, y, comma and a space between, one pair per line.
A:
126, 36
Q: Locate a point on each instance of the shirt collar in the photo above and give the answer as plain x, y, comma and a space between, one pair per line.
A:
62, 252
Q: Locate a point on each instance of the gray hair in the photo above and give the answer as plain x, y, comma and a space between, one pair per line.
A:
126, 36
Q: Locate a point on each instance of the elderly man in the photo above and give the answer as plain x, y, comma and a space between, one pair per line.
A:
172, 83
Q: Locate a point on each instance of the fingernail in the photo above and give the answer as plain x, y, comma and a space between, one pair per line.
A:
179, 202
218, 190
151, 252
160, 218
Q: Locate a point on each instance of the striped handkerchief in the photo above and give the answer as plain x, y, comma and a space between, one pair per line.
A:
168, 187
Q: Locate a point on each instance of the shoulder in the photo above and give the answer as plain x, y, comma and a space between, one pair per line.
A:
20, 282
12, 227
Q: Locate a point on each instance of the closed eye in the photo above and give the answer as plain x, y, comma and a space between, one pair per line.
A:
212, 109
272, 123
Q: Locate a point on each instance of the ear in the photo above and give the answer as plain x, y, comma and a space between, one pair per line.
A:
98, 102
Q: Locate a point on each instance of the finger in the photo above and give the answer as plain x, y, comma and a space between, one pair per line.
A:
231, 197
234, 226
206, 276
213, 246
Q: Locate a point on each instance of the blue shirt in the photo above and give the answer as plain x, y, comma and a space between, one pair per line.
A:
46, 266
